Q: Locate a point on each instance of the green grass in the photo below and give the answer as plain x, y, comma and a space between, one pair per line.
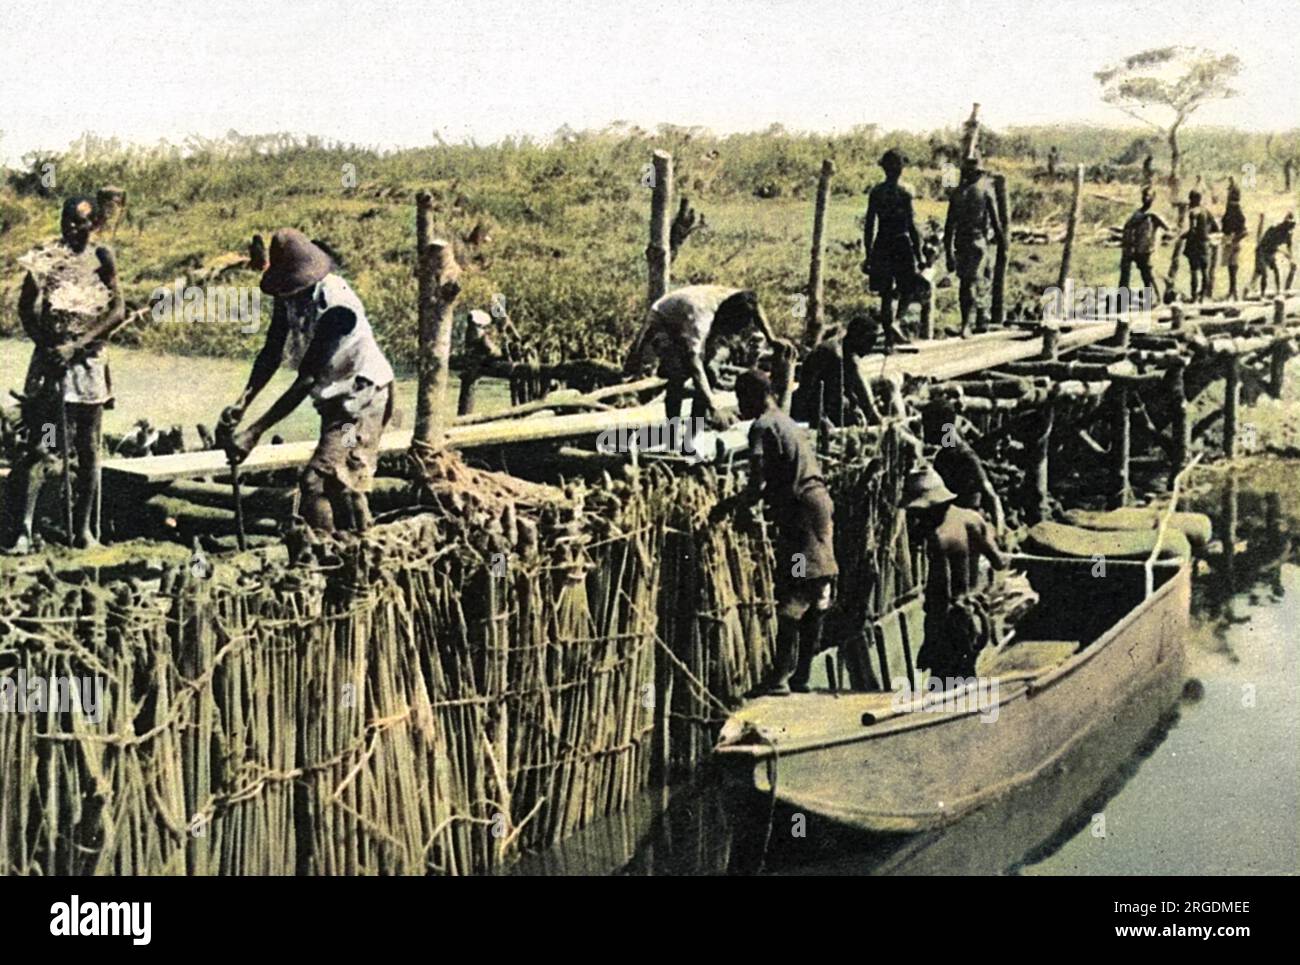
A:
184, 390
568, 219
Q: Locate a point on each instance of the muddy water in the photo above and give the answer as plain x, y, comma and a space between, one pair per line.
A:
1208, 786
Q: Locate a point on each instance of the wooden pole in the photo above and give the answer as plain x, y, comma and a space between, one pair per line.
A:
1279, 354
1231, 404
816, 316
657, 253
438, 283
1182, 425
971, 134
1121, 445
1042, 449
1070, 227
998, 308
1207, 290
1051, 341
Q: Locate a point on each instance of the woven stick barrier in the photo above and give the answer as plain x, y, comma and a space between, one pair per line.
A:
435, 697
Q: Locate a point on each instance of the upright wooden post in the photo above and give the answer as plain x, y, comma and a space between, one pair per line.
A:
816, 315
438, 281
998, 308
1279, 353
1182, 425
1231, 404
1051, 341
658, 253
1070, 227
1212, 269
1121, 445
1042, 447
971, 134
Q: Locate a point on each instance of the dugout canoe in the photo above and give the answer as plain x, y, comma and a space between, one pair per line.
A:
912, 761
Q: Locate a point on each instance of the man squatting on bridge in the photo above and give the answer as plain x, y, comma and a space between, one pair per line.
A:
69, 306
684, 330
319, 328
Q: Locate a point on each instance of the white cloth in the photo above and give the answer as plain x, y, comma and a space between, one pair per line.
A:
357, 355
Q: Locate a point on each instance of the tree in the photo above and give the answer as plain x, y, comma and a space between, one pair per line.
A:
1170, 83
1285, 150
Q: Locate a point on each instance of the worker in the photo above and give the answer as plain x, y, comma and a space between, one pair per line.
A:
956, 627
479, 349
1234, 233
829, 379
892, 245
69, 306
785, 476
319, 329
971, 223
1196, 245
1276, 240
684, 330
1138, 244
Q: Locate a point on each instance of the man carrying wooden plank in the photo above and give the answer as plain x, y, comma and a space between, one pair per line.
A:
319, 328
892, 244
957, 624
972, 221
785, 476
69, 306
684, 330
1138, 244
1275, 240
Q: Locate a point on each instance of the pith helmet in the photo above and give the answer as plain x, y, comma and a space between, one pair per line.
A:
925, 488
296, 263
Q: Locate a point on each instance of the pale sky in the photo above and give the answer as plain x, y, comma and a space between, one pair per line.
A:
389, 73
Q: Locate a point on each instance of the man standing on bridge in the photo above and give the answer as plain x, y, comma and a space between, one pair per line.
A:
1234, 233
1138, 244
319, 329
69, 306
972, 221
1196, 245
892, 244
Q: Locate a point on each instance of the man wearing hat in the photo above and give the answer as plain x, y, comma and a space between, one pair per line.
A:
785, 476
1275, 239
1138, 244
69, 306
892, 244
955, 539
684, 330
319, 329
972, 220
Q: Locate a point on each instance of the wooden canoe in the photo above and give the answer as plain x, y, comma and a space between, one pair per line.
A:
899, 762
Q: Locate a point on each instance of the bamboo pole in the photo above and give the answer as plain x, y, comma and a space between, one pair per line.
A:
998, 309
816, 314
658, 252
438, 278
1071, 227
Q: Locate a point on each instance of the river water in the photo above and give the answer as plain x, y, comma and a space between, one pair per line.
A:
1209, 786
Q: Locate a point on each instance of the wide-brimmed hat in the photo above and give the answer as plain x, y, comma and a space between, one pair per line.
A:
296, 263
925, 488
480, 318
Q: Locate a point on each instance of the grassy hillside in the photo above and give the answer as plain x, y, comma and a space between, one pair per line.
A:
567, 219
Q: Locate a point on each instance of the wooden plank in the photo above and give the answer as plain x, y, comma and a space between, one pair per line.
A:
191, 465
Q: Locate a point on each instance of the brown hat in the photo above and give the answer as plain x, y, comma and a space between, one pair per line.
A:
925, 488
296, 263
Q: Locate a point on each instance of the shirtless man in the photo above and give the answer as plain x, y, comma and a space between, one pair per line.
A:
892, 244
955, 540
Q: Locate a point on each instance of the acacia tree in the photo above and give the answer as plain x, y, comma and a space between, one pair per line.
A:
1168, 83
